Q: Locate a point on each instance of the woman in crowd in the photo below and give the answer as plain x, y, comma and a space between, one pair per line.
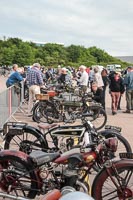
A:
116, 90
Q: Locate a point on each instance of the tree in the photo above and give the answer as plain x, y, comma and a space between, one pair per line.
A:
7, 55
24, 54
14, 50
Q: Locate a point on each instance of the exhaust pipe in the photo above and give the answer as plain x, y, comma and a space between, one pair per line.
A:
82, 185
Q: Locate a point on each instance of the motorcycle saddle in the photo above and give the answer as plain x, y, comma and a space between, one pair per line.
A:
40, 157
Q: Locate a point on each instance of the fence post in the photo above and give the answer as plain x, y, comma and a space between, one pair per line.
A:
10, 101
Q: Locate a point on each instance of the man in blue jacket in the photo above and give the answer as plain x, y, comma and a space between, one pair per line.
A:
15, 77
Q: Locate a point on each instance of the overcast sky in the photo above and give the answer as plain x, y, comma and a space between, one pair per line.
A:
106, 24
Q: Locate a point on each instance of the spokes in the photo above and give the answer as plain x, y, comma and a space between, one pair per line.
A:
14, 178
124, 188
24, 142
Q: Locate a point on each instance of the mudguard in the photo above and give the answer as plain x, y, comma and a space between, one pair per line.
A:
29, 129
107, 133
23, 156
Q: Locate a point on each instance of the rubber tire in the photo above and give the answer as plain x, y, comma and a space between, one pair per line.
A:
35, 112
101, 177
122, 139
102, 111
33, 190
38, 136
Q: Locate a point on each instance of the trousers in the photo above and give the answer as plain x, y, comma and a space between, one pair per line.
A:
115, 100
33, 90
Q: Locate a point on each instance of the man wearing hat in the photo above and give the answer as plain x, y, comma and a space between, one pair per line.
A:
128, 82
64, 77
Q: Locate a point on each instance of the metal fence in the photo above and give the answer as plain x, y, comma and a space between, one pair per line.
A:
10, 100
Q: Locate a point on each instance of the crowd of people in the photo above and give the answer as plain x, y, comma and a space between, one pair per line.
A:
92, 79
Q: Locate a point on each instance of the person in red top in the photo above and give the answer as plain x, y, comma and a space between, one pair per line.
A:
88, 70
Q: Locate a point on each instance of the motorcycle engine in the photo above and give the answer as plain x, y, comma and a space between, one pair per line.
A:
71, 171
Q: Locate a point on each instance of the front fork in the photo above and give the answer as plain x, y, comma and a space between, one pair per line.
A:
110, 165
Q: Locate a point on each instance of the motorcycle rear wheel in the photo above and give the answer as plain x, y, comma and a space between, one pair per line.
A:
28, 141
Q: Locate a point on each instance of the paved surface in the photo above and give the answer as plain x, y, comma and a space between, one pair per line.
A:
2, 83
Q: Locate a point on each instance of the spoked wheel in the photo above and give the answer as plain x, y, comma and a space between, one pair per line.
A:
51, 115
123, 144
16, 177
26, 142
44, 112
100, 119
97, 116
39, 112
104, 189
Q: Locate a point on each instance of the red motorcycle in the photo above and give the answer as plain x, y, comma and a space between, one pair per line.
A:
37, 173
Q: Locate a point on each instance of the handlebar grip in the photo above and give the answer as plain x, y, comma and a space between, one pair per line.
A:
52, 195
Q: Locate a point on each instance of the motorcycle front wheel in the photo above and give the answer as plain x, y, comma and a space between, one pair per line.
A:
121, 187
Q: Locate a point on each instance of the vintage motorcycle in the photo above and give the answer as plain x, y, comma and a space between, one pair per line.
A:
68, 108
54, 137
40, 172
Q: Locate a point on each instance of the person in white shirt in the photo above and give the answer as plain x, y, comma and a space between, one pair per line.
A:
83, 80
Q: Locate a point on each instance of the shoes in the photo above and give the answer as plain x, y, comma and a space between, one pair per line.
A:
114, 113
126, 111
118, 108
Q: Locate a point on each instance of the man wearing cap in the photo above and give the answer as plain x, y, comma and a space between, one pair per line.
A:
64, 77
128, 82
83, 81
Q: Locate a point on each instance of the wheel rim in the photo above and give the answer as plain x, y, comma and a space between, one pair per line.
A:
26, 142
15, 178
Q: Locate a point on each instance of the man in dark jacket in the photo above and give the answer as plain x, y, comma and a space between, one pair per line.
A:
97, 93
